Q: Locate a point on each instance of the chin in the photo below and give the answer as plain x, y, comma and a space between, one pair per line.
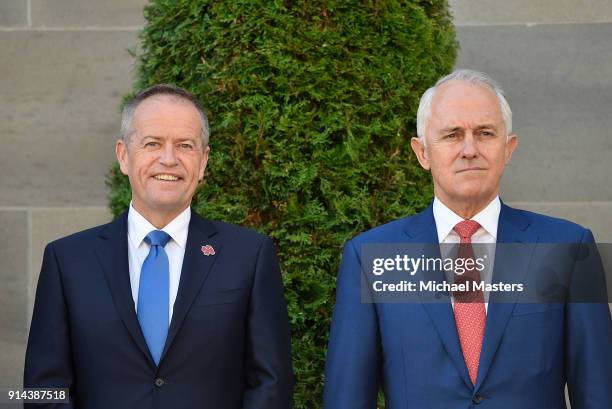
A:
469, 194
469, 188
166, 203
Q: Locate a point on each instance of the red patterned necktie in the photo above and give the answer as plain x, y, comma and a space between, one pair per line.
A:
470, 314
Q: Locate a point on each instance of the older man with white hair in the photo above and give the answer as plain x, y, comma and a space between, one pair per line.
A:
466, 351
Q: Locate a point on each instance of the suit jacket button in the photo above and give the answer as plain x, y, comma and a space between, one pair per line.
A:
477, 399
159, 382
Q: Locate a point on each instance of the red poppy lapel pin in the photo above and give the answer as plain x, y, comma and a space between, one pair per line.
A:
208, 250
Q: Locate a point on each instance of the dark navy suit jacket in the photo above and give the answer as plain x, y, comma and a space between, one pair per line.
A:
228, 344
530, 350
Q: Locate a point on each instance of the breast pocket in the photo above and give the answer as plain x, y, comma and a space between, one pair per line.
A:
232, 296
536, 308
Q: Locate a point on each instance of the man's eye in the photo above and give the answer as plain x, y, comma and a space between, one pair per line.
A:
487, 133
450, 136
151, 144
186, 146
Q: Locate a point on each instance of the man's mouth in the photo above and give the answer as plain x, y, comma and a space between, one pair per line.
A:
469, 169
166, 177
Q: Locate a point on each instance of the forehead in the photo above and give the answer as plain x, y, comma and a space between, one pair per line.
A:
166, 115
462, 103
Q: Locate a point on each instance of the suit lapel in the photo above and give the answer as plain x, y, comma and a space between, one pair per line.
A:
112, 253
196, 267
422, 229
511, 265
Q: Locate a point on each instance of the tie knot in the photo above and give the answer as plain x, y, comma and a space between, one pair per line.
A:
157, 238
466, 228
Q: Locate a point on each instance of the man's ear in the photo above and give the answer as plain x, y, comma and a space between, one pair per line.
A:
122, 156
203, 163
511, 144
419, 150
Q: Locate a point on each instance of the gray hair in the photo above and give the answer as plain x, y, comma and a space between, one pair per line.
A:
127, 114
474, 77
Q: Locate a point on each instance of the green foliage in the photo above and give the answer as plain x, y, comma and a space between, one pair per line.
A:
312, 105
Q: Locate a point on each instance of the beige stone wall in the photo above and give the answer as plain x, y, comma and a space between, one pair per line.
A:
64, 67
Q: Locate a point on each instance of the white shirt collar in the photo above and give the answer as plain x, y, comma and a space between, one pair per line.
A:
446, 219
139, 227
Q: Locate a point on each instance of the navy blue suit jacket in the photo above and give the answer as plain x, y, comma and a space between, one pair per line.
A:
228, 344
529, 351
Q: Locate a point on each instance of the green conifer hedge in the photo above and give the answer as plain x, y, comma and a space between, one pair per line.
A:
312, 105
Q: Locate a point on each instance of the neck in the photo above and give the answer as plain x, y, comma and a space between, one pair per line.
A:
466, 209
158, 218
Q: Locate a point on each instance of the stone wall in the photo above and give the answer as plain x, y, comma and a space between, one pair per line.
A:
65, 66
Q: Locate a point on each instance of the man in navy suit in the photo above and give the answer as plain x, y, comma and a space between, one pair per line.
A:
162, 308
466, 352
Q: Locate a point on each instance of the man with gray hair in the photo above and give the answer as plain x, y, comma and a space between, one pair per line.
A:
457, 348
162, 308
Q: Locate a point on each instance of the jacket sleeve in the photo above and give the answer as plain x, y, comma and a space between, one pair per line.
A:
48, 360
588, 343
269, 374
352, 373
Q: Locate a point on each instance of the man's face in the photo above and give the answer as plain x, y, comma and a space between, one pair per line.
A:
467, 146
164, 159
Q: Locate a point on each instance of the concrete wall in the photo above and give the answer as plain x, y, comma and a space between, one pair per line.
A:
65, 66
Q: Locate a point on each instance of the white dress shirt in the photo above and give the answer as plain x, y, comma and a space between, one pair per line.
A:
488, 219
138, 250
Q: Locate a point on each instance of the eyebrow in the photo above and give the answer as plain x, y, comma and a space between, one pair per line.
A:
143, 139
454, 129
460, 128
486, 126
157, 138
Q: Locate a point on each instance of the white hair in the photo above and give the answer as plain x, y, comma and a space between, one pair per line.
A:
474, 77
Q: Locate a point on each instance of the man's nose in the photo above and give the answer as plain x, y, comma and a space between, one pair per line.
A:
168, 156
469, 149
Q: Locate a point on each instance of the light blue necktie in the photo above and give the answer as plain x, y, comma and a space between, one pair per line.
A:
153, 297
